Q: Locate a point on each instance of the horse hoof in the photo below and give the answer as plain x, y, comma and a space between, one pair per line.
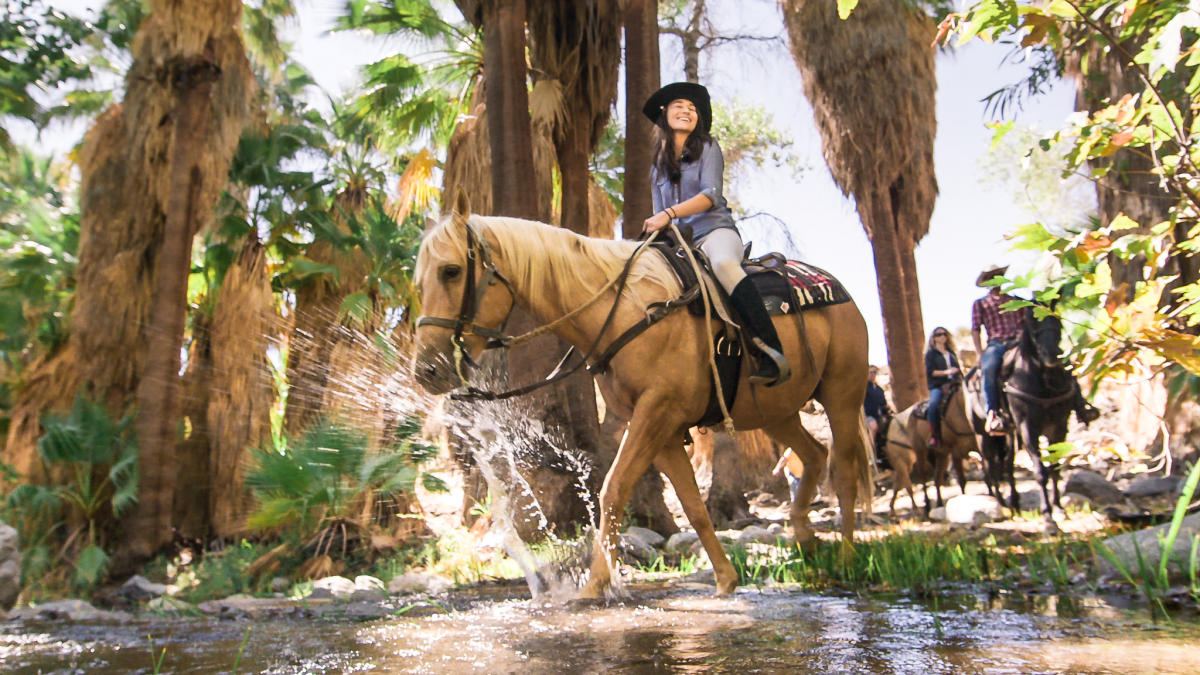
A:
727, 588
808, 544
585, 603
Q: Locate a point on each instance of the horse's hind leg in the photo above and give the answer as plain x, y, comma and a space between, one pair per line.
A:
674, 462
792, 434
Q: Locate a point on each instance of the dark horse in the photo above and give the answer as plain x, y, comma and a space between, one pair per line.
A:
997, 451
1039, 394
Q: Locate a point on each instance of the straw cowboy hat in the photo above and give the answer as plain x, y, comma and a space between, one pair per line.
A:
690, 91
990, 273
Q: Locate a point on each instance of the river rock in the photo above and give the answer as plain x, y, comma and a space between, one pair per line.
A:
1031, 500
68, 610
775, 528
139, 587
681, 541
632, 545
1152, 487
248, 605
1095, 487
973, 509
1126, 547
332, 587
756, 535
419, 582
10, 567
168, 605
364, 582
938, 514
649, 536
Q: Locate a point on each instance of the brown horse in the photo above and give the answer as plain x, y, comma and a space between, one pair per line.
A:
911, 457
660, 381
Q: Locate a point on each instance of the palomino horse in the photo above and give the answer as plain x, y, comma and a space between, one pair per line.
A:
1040, 394
660, 381
909, 453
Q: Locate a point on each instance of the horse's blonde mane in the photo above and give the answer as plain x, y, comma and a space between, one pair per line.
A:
537, 256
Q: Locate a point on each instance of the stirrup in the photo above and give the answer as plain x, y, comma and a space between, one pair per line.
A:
784, 372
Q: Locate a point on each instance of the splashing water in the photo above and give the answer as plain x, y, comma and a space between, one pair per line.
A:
503, 437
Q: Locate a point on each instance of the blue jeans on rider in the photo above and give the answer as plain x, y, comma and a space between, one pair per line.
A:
793, 485
989, 366
934, 412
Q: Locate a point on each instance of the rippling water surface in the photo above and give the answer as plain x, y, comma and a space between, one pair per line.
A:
676, 627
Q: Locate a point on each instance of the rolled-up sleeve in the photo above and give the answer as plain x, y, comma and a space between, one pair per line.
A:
655, 198
712, 172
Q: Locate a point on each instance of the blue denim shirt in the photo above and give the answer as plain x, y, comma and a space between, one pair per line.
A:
705, 176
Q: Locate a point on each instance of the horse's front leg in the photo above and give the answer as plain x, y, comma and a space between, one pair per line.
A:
648, 433
674, 462
1009, 469
1032, 440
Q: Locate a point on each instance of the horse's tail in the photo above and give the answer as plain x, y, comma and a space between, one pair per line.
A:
866, 465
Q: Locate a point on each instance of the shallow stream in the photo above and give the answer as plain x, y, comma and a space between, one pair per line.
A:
665, 627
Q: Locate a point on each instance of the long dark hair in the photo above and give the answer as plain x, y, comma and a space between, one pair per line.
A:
664, 148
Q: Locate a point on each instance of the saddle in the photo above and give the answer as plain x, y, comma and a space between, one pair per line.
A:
922, 409
786, 286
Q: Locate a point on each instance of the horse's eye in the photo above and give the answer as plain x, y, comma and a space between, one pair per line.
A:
450, 272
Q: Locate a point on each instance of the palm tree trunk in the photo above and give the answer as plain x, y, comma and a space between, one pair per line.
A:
508, 109
908, 379
641, 80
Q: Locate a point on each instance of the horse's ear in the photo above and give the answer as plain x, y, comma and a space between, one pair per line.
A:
462, 205
430, 223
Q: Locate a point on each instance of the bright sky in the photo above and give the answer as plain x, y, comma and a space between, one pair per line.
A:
970, 218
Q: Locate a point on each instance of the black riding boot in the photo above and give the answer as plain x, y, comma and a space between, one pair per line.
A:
1086, 412
772, 367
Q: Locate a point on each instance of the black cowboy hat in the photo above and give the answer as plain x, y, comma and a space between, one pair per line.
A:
689, 91
990, 273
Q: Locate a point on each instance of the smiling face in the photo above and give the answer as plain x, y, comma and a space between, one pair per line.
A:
682, 116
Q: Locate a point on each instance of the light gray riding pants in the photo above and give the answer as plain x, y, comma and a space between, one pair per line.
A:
724, 250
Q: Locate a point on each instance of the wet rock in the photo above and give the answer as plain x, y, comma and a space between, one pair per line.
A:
973, 510
365, 610
368, 595
1153, 487
66, 610
169, 605
1126, 548
10, 567
419, 582
335, 587
681, 541
252, 607
938, 514
1095, 487
650, 537
632, 545
280, 584
139, 587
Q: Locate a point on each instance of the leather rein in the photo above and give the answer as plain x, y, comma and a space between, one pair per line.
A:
464, 324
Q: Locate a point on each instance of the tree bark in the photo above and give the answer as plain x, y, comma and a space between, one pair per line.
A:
641, 80
508, 109
906, 366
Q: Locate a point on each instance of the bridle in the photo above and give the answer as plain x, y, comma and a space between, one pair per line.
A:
464, 324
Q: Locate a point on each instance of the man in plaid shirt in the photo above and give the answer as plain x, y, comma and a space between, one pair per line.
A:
1002, 328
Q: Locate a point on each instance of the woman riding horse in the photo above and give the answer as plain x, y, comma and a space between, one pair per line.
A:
472, 271
686, 180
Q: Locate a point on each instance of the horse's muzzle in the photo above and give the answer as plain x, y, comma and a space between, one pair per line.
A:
434, 370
